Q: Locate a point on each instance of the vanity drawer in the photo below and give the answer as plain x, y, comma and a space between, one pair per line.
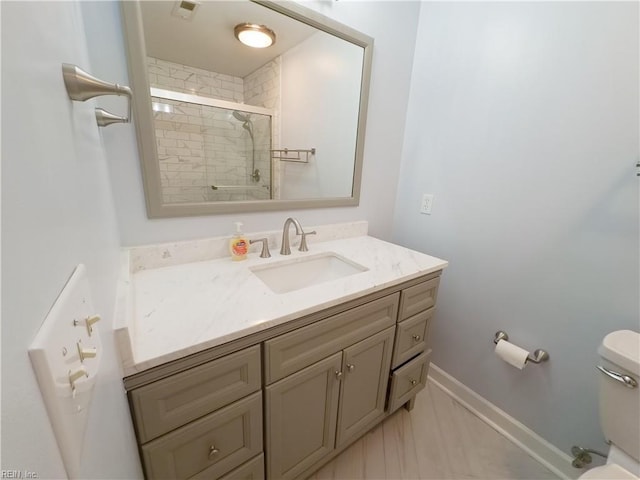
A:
411, 337
418, 298
251, 470
409, 380
177, 400
210, 446
296, 350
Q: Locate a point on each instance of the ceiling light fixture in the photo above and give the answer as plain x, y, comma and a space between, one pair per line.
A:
256, 36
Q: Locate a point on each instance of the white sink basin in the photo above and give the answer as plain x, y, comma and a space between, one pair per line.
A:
289, 275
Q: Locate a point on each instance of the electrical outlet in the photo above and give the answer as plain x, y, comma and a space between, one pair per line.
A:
427, 203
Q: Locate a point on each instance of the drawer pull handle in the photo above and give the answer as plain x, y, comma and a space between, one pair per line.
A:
338, 375
212, 451
416, 337
350, 367
413, 382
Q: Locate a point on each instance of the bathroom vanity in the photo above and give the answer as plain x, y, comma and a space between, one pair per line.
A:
286, 381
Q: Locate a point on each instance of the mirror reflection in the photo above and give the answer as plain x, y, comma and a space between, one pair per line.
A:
208, 152
231, 124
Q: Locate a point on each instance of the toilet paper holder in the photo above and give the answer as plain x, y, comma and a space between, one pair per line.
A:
537, 356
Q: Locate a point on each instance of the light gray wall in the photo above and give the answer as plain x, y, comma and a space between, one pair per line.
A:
327, 120
59, 187
57, 212
392, 24
523, 121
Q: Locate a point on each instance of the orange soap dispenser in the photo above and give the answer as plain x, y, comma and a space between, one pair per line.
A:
238, 245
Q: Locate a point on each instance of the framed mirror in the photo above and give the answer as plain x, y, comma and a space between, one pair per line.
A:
223, 127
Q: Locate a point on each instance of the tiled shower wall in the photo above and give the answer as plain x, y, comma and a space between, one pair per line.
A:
200, 146
182, 78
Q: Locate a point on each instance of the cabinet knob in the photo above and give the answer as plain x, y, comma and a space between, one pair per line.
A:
212, 451
338, 375
350, 367
413, 382
416, 337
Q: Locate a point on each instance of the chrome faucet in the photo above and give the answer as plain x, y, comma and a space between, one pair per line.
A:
285, 249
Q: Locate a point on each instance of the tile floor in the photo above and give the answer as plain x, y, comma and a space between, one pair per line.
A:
438, 439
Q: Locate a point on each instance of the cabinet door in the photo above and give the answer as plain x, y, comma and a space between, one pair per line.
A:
366, 368
301, 412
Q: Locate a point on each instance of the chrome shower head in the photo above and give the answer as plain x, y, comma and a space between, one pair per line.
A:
243, 117
246, 121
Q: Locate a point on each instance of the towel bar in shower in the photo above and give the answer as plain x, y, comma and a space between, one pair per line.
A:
295, 155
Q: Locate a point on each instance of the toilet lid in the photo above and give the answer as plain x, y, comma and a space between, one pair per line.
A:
622, 348
608, 472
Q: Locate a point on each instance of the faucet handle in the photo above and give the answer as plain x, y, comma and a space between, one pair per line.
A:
303, 242
265, 246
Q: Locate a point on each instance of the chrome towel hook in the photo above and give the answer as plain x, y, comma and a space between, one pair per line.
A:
82, 86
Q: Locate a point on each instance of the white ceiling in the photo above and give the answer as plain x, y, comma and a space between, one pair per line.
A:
207, 41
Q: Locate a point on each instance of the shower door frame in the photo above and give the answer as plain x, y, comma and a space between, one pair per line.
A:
209, 101
224, 104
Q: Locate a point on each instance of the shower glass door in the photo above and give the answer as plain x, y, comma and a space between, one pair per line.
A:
212, 153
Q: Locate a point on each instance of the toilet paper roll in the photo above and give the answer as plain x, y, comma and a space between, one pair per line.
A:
512, 354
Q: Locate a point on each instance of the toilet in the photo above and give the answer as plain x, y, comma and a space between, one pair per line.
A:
619, 397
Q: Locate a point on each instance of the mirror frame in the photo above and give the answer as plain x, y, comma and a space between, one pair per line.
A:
145, 132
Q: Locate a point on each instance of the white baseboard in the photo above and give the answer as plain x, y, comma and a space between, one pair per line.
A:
549, 455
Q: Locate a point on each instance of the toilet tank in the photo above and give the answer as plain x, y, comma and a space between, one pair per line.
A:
620, 404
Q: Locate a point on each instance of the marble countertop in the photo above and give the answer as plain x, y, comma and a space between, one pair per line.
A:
177, 310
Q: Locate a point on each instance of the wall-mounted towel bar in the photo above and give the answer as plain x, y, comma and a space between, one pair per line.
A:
288, 155
82, 86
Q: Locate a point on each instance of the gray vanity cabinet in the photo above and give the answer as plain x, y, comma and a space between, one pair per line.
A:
411, 337
300, 348
365, 375
418, 298
251, 470
408, 380
284, 402
201, 422
210, 446
300, 419
162, 406
330, 385
311, 412
411, 356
